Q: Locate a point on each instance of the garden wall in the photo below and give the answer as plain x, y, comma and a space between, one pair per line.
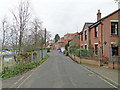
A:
85, 61
114, 65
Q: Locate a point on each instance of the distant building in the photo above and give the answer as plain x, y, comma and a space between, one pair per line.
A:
63, 41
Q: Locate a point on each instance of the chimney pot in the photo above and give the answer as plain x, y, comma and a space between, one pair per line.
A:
99, 11
98, 15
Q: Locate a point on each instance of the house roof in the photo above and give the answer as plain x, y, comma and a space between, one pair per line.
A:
71, 34
88, 24
99, 21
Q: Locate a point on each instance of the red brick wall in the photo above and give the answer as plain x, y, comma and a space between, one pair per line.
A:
106, 34
85, 41
93, 39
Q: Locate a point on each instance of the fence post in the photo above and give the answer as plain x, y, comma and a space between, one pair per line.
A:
1, 57
46, 52
3, 64
43, 53
1, 72
12, 64
99, 54
38, 55
110, 54
31, 56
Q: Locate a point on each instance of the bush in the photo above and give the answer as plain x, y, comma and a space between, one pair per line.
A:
77, 52
91, 50
21, 68
48, 49
83, 54
66, 53
66, 46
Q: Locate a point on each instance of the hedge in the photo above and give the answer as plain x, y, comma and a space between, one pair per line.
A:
83, 54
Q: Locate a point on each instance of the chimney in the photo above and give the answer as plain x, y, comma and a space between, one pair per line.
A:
119, 5
98, 15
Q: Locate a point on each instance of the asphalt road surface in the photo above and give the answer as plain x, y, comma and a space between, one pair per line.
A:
60, 71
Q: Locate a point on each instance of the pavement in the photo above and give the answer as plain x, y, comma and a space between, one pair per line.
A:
104, 71
60, 71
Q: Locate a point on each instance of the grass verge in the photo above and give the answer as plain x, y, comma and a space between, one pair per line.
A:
21, 68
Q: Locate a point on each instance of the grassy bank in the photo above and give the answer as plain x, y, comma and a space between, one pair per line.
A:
21, 68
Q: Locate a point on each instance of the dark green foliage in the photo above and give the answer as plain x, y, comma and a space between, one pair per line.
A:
48, 49
91, 50
4, 49
83, 53
77, 52
66, 46
57, 37
66, 53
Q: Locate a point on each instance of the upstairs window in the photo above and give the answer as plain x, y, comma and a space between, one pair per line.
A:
114, 28
96, 31
85, 35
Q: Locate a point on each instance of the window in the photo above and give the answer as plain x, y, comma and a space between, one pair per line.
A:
96, 31
85, 35
96, 49
85, 46
114, 50
81, 46
114, 28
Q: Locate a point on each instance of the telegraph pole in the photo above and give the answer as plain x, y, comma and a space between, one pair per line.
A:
45, 37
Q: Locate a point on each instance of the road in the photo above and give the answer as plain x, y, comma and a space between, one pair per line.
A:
60, 71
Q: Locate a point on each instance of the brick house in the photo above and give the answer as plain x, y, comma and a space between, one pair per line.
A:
64, 40
58, 45
105, 29
84, 36
110, 27
69, 36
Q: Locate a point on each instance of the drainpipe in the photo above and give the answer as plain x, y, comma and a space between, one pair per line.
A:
101, 61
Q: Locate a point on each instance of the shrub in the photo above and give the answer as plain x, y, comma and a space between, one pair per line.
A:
91, 50
21, 68
48, 49
66, 53
77, 52
83, 53
66, 46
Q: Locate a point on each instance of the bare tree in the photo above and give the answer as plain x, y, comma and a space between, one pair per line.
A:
14, 35
4, 30
22, 18
37, 24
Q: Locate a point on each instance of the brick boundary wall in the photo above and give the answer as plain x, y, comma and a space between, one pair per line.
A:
113, 65
93, 62
84, 61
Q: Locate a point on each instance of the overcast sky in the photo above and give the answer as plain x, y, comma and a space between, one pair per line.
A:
63, 16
